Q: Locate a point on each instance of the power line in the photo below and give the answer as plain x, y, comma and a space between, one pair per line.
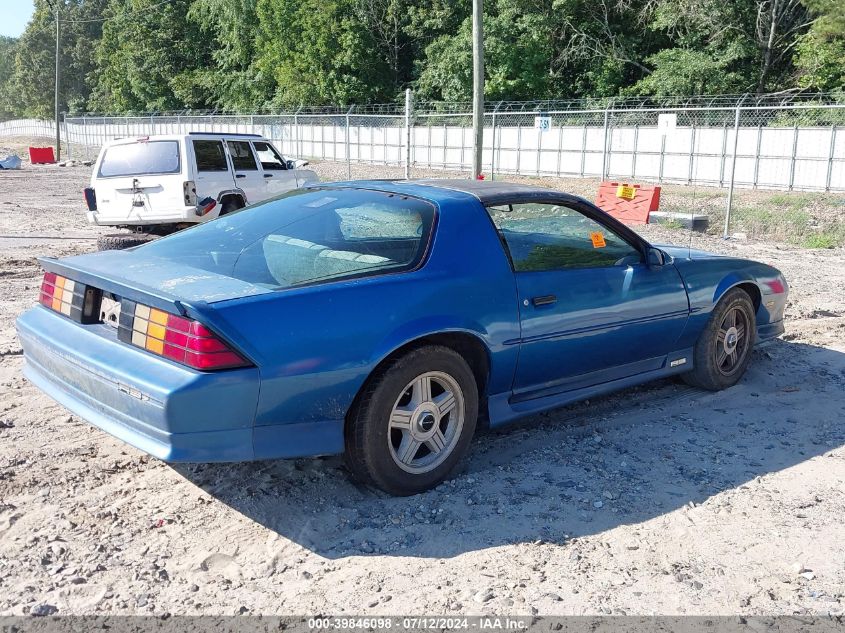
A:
125, 15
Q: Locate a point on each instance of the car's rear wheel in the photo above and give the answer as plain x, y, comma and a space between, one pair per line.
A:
723, 350
414, 421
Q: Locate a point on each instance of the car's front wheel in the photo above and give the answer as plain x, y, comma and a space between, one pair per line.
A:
723, 350
414, 421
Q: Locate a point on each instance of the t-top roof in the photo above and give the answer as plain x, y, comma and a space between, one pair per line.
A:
488, 191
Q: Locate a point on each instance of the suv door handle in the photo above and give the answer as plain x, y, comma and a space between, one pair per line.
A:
545, 300
240, 175
268, 175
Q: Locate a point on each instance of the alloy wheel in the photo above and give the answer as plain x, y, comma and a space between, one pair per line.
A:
426, 421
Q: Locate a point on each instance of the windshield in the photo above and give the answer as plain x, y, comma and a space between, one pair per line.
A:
307, 236
142, 158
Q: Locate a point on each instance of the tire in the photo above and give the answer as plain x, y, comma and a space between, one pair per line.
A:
120, 241
401, 407
732, 317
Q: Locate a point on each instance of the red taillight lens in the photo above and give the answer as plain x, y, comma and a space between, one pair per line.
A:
71, 298
57, 293
48, 289
177, 338
776, 286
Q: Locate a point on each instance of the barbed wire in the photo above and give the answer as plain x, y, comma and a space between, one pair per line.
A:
747, 101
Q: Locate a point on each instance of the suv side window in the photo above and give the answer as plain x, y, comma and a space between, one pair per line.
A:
269, 157
541, 236
242, 157
210, 156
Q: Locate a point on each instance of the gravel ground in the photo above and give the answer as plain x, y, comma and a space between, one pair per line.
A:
661, 499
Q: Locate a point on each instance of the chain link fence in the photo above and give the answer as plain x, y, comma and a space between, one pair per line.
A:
774, 142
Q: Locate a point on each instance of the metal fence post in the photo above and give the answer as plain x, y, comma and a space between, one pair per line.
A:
792, 159
85, 135
634, 157
757, 154
296, 132
67, 137
733, 170
348, 146
493, 143
539, 145
723, 154
830, 158
408, 106
604, 143
690, 171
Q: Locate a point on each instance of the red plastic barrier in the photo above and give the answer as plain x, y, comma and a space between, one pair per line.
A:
630, 204
41, 155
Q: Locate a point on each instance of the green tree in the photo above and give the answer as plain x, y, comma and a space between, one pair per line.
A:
233, 81
518, 43
7, 66
821, 51
33, 77
318, 52
151, 58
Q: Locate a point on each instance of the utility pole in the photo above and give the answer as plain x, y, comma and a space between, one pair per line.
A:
58, 129
477, 87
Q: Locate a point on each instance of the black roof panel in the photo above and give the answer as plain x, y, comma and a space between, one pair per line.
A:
493, 191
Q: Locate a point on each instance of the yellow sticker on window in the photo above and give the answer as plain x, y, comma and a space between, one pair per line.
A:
598, 240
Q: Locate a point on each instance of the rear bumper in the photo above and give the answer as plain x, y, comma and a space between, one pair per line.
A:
173, 413
176, 215
768, 331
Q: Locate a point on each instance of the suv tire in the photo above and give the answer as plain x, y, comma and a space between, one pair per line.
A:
120, 241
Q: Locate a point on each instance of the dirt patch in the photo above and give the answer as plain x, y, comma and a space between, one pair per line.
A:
661, 499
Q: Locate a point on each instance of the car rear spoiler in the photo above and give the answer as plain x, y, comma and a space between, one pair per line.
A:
131, 289
115, 284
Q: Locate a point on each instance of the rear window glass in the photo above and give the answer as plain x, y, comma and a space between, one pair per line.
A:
308, 236
210, 156
137, 159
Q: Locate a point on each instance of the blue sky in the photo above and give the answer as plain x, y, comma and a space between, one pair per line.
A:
16, 14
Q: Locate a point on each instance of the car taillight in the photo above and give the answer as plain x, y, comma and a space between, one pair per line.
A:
206, 205
90, 198
190, 191
68, 297
177, 338
776, 286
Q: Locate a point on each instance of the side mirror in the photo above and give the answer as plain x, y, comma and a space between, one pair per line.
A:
656, 258
289, 164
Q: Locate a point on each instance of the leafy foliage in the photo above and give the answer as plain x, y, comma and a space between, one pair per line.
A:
241, 55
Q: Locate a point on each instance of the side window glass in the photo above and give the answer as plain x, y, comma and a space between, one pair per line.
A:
210, 156
268, 157
555, 237
242, 157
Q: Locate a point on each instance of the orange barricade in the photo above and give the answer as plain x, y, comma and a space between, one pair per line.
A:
630, 204
41, 155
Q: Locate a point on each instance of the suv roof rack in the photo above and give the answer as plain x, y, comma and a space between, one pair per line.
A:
224, 134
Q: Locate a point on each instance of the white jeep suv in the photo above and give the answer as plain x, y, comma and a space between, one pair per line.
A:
159, 184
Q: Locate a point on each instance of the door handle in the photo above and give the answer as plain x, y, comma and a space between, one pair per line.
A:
240, 175
268, 175
545, 300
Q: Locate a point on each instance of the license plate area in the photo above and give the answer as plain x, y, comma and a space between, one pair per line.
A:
110, 310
